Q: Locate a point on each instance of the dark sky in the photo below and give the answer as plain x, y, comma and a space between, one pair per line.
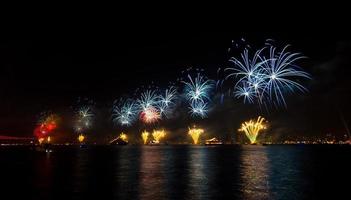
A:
49, 72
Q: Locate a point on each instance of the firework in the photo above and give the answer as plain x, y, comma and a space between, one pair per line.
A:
198, 89
252, 128
166, 102
220, 87
148, 105
41, 140
124, 113
85, 116
169, 96
195, 134
78, 128
150, 115
46, 125
147, 99
247, 92
247, 69
264, 79
280, 73
81, 138
250, 76
145, 136
158, 135
123, 137
49, 121
198, 108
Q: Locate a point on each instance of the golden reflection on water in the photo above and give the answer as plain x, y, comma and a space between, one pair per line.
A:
254, 172
198, 179
152, 177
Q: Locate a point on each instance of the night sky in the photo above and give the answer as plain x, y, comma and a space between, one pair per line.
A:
51, 72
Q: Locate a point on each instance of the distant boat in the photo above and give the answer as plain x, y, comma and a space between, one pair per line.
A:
118, 141
154, 143
213, 141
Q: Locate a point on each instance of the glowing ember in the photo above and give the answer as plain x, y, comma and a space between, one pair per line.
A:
252, 128
158, 135
195, 134
145, 136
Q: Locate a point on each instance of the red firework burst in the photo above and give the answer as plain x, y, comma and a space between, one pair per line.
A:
46, 126
150, 115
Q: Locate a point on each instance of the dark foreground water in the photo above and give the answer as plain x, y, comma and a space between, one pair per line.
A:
176, 172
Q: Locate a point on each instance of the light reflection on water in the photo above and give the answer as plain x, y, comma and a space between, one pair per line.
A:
176, 172
152, 175
198, 178
254, 169
127, 164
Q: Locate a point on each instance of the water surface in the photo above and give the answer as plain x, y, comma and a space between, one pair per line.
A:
176, 172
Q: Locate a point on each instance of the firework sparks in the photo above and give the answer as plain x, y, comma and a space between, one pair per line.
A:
280, 74
199, 109
267, 79
124, 113
148, 104
147, 99
158, 135
81, 138
252, 128
198, 89
46, 125
85, 116
150, 115
195, 134
169, 96
145, 136
123, 137
247, 92
166, 102
197, 92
